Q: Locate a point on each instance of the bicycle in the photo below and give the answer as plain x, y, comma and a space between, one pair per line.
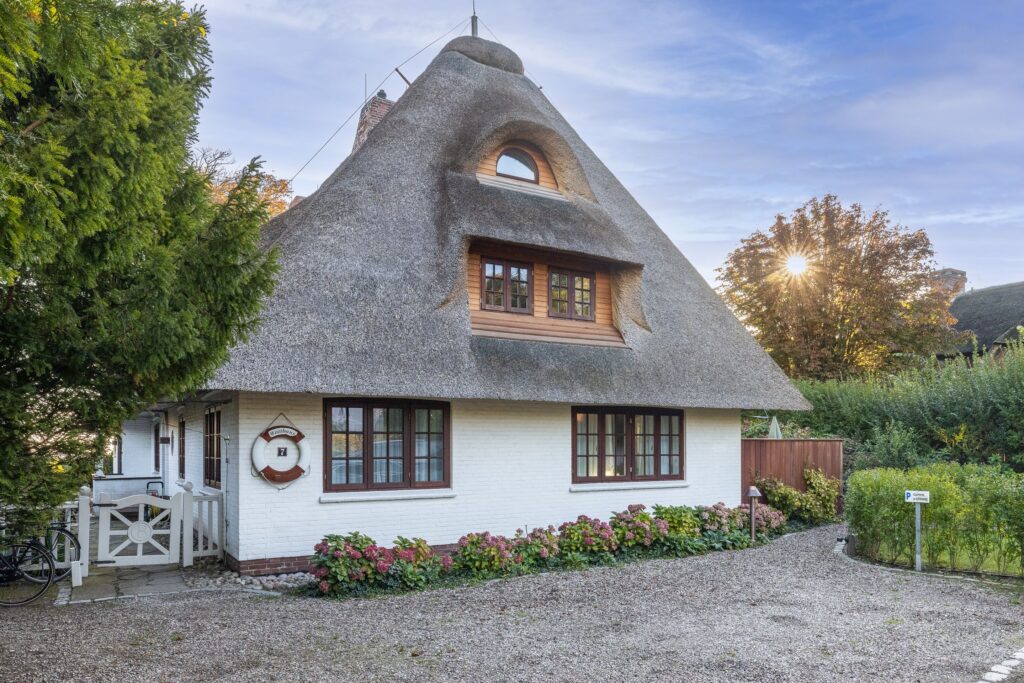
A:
64, 547
26, 572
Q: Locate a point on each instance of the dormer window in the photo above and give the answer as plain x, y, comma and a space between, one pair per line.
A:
521, 166
571, 294
506, 286
518, 292
517, 163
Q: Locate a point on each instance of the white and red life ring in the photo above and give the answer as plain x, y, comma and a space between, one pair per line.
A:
263, 459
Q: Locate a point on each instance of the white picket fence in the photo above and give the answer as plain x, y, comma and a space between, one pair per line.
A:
147, 530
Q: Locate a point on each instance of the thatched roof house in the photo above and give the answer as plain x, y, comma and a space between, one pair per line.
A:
993, 316
372, 295
475, 326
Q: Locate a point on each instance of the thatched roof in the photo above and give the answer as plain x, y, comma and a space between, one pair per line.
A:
371, 299
992, 314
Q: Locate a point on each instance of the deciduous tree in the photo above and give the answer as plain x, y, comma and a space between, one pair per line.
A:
121, 281
833, 291
216, 165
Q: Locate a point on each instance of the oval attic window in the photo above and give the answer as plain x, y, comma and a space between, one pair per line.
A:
518, 164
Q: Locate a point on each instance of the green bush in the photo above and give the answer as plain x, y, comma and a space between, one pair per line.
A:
682, 520
974, 520
955, 411
820, 498
894, 445
816, 505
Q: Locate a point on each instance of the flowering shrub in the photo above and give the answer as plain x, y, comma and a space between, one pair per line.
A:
353, 562
636, 527
483, 554
718, 517
587, 535
539, 548
350, 564
682, 520
769, 521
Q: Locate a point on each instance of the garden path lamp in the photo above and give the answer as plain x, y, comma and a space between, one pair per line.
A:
753, 493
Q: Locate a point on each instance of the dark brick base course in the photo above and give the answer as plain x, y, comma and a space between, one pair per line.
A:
270, 565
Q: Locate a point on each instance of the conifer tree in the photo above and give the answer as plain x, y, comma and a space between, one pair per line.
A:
121, 281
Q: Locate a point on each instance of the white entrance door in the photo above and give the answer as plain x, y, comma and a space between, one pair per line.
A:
139, 530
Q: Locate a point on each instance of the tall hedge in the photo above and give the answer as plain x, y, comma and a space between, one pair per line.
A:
962, 412
975, 520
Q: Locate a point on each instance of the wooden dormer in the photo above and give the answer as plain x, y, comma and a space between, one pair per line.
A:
522, 293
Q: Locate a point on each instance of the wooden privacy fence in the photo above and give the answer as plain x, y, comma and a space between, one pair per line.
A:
786, 460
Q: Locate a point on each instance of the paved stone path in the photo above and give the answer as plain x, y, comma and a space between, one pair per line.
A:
111, 583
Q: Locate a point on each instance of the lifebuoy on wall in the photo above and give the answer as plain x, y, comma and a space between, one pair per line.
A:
265, 455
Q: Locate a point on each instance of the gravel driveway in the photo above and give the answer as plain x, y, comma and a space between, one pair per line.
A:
791, 611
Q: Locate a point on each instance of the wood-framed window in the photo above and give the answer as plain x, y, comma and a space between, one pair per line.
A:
156, 447
211, 449
181, 448
506, 286
386, 444
570, 294
626, 444
515, 162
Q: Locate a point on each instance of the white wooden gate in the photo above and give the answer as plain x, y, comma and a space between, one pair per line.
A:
139, 530
146, 530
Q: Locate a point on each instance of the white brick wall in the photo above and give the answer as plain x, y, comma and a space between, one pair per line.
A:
510, 468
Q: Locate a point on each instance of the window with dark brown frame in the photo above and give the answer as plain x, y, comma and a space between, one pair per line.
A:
386, 444
181, 448
626, 444
506, 286
211, 449
570, 294
156, 447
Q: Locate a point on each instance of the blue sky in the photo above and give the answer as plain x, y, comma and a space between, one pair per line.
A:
715, 115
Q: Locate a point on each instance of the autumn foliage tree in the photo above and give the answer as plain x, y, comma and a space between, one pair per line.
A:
217, 166
122, 281
832, 292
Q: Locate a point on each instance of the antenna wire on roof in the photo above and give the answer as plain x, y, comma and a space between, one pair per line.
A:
461, 26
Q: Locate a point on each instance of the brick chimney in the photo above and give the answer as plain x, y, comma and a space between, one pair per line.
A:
951, 281
373, 111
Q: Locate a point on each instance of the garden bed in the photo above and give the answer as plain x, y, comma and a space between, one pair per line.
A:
354, 564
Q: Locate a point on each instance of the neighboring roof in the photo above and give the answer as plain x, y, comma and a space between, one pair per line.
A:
993, 314
371, 298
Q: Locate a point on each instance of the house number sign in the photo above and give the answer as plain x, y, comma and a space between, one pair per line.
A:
279, 439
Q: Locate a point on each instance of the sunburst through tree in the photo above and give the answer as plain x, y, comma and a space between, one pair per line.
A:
832, 291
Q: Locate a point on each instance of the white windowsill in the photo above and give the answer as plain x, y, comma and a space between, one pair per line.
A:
628, 486
344, 497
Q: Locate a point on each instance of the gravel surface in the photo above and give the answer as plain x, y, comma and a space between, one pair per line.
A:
791, 611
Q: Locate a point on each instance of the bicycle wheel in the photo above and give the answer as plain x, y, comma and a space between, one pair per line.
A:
65, 548
26, 571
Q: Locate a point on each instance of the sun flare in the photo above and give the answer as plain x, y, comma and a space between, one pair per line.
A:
796, 265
